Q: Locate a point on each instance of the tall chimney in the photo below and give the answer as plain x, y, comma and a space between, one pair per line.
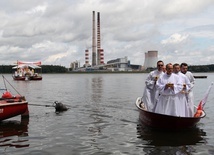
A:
86, 58
93, 41
98, 38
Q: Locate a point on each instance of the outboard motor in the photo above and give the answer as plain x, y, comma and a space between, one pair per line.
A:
60, 107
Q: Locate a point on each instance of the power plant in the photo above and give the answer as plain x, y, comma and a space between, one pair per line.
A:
151, 59
97, 51
119, 64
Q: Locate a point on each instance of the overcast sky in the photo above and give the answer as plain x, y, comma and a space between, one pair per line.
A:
57, 32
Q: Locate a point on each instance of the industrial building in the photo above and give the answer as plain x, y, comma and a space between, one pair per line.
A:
74, 65
119, 64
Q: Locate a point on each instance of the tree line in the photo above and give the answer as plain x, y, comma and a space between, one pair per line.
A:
62, 69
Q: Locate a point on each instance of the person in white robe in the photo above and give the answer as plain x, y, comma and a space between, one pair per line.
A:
190, 95
169, 86
183, 94
150, 94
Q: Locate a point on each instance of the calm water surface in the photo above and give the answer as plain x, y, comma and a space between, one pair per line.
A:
102, 119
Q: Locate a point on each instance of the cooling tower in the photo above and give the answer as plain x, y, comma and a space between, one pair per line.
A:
151, 59
145, 61
93, 40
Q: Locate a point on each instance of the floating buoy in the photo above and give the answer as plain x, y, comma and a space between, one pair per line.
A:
60, 107
7, 94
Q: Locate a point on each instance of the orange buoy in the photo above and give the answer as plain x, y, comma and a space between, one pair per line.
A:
7, 94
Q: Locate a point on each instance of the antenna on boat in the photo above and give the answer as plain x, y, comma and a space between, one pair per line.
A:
10, 85
4, 83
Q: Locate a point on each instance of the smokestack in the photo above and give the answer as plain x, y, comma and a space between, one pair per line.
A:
101, 52
98, 38
86, 58
93, 41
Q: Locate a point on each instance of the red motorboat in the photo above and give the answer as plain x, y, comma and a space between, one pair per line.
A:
165, 122
11, 105
14, 106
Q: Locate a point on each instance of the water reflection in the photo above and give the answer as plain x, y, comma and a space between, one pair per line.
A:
166, 142
97, 88
10, 130
96, 112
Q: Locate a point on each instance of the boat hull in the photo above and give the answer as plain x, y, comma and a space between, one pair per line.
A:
35, 78
19, 78
166, 122
23, 78
12, 108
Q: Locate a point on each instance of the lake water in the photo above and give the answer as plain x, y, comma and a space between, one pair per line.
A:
102, 119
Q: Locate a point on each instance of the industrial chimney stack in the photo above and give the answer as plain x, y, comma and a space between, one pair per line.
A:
98, 38
93, 41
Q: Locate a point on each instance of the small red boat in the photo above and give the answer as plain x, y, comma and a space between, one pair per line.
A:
10, 107
165, 122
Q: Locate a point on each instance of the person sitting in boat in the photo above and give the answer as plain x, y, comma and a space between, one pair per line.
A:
169, 85
190, 96
150, 93
32, 72
16, 74
183, 94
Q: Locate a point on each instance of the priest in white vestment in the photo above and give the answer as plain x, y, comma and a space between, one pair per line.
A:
190, 96
183, 95
150, 93
169, 86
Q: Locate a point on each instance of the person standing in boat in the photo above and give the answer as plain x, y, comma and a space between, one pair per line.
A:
169, 86
183, 94
164, 68
190, 96
150, 94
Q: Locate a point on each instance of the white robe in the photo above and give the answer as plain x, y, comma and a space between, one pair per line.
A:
168, 102
190, 93
183, 95
150, 93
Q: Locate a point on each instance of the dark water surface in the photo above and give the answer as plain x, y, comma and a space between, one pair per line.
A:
102, 119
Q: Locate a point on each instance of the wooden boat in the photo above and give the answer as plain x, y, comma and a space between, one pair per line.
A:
165, 122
